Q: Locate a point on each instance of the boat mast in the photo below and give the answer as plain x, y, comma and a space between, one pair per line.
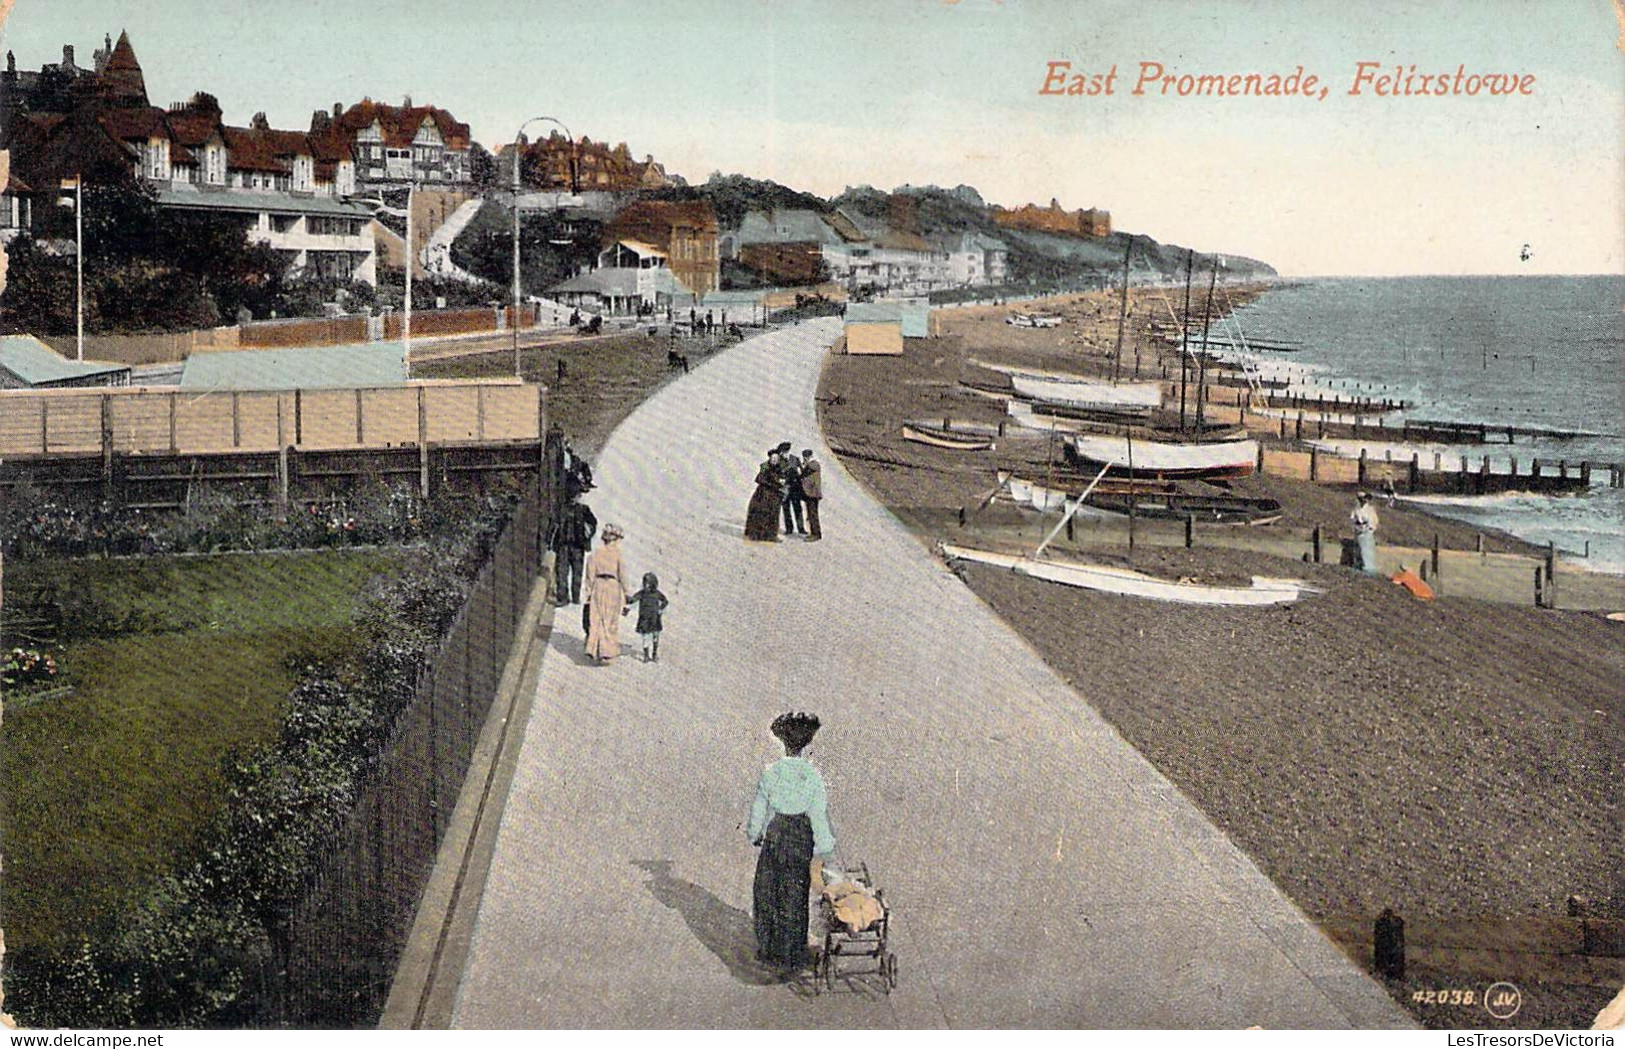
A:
1185, 338
1122, 313
1201, 362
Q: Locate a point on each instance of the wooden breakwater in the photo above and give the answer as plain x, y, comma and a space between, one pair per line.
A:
1438, 477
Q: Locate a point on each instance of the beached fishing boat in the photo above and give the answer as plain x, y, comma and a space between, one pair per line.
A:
1264, 590
1163, 458
1033, 320
1095, 394
946, 439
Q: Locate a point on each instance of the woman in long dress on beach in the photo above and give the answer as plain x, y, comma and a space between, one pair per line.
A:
762, 516
606, 589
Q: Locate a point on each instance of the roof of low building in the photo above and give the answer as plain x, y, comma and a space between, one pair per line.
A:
786, 226
874, 313
617, 281
303, 368
36, 363
191, 196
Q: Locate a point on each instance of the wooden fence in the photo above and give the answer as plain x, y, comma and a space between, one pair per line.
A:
139, 420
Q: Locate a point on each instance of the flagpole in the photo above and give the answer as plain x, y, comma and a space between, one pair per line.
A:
79, 261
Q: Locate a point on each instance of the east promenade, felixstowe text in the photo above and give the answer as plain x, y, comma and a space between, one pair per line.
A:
1370, 79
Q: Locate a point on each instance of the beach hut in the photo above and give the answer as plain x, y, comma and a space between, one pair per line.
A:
874, 327
916, 319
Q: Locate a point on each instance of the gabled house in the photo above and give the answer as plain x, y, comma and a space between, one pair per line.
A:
974, 258
396, 145
684, 232
873, 254
785, 245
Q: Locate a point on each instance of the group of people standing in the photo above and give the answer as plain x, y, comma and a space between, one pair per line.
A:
604, 574
789, 486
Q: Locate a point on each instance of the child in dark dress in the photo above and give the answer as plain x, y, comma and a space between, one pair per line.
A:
651, 602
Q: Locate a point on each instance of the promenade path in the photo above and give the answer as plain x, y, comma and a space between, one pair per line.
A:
1041, 872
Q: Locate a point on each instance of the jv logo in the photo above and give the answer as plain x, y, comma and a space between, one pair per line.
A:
1503, 1000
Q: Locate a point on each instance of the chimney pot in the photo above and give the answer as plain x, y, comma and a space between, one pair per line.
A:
67, 54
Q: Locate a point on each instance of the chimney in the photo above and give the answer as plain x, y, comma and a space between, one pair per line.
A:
67, 54
11, 61
260, 123
338, 111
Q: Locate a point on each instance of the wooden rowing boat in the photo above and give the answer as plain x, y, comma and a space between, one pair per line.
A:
1264, 590
945, 439
1165, 459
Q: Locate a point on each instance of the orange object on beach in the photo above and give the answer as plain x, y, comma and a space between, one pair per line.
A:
1414, 583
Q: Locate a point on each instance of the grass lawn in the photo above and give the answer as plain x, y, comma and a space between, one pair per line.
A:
100, 789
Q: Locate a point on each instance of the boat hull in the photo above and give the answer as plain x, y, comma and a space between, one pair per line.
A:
1221, 459
938, 439
1122, 581
1082, 393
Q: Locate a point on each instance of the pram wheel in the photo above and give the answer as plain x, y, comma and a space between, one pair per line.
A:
888, 971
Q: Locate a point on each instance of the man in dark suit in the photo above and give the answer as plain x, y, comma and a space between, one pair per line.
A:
812, 490
790, 471
572, 536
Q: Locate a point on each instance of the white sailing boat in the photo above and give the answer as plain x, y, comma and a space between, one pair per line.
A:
1164, 459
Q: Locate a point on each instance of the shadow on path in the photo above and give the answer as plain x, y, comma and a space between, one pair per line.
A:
725, 931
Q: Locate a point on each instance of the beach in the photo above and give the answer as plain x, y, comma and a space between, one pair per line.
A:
1455, 760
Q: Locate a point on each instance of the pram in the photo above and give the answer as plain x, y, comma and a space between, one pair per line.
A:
868, 942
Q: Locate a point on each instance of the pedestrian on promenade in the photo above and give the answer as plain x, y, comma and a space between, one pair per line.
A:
651, 603
572, 536
1364, 519
790, 486
789, 822
762, 516
606, 589
812, 490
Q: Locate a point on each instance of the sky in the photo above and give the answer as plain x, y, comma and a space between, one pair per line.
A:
824, 95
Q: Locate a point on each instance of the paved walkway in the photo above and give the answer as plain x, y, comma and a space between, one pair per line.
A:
1041, 872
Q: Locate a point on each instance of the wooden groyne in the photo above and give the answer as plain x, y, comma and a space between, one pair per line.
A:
1413, 476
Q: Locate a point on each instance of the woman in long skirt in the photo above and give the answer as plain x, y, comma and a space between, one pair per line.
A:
762, 516
606, 589
789, 822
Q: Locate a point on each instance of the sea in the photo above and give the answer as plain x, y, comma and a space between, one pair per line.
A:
1545, 352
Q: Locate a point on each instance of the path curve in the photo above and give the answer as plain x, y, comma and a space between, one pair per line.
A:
1041, 872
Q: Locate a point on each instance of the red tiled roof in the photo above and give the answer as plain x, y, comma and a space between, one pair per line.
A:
191, 127
251, 150
400, 125
134, 122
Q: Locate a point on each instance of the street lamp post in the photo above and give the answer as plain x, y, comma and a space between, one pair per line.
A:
518, 150
77, 203
411, 259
